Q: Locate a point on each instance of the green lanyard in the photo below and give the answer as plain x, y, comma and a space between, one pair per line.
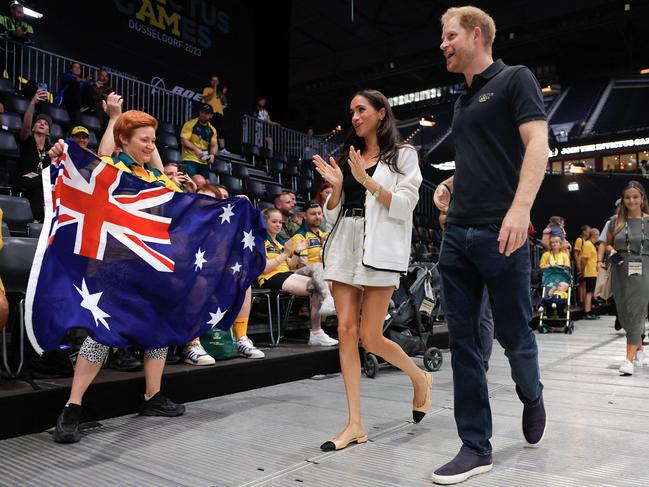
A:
626, 235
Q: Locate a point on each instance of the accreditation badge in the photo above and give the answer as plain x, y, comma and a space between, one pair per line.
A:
635, 265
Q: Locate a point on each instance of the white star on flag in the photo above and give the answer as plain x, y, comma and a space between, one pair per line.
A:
216, 317
200, 260
227, 213
235, 268
248, 240
91, 303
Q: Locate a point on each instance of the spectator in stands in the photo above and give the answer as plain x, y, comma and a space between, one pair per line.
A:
199, 140
555, 228
33, 145
310, 259
285, 203
576, 250
262, 132
182, 180
281, 262
628, 234
556, 256
134, 133
215, 95
70, 94
588, 266
96, 93
4, 304
81, 136
14, 24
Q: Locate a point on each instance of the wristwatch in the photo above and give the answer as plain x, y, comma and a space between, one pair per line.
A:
377, 192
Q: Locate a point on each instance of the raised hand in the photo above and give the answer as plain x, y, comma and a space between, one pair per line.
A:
56, 150
330, 172
357, 164
112, 105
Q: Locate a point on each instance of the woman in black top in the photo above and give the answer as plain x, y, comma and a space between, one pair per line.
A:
33, 144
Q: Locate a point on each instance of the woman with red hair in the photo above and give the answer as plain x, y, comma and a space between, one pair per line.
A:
133, 132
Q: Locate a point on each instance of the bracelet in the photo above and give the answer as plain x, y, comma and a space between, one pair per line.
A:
367, 176
447, 187
377, 192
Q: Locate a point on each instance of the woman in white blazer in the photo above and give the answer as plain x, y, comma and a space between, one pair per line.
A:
375, 190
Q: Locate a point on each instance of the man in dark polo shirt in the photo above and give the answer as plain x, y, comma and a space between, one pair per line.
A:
501, 152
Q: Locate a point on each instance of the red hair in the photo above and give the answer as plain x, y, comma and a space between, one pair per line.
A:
318, 197
129, 121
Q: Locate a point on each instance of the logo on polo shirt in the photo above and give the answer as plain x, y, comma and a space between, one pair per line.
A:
484, 97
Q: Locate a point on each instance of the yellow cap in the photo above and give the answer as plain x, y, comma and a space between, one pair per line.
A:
80, 129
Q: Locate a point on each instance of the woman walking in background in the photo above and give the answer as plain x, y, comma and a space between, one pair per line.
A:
628, 234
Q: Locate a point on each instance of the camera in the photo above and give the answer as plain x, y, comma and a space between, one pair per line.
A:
615, 259
182, 169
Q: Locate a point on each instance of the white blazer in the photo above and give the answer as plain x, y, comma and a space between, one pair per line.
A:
388, 232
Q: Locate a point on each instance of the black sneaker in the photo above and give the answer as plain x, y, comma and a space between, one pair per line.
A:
123, 360
67, 425
534, 423
465, 464
161, 405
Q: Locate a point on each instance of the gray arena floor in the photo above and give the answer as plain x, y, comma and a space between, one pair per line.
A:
598, 433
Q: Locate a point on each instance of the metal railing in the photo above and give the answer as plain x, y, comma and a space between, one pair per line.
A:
283, 140
26, 62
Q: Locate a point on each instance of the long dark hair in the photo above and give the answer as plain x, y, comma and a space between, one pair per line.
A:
387, 134
622, 211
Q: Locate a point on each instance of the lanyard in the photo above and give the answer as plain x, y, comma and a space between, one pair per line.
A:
626, 235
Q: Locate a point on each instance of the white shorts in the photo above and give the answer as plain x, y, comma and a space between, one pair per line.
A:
344, 260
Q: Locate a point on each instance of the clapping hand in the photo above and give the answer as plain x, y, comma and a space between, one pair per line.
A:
112, 105
300, 247
357, 165
330, 172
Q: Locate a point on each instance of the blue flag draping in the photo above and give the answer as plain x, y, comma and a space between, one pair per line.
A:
135, 263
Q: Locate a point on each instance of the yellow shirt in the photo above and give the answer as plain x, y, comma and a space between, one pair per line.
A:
201, 135
549, 259
126, 164
589, 252
273, 250
578, 244
561, 294
314, 240
215, 101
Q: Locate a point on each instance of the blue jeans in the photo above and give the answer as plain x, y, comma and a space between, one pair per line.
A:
486, 328
469, 261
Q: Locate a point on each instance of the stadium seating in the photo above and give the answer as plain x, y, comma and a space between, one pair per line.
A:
11, 122
91, 122
57, 114
15, 103
17, 213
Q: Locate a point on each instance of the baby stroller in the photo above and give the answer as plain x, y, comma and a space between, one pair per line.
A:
409, 322
555, 316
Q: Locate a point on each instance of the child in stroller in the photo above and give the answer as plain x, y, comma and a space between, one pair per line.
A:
554, 308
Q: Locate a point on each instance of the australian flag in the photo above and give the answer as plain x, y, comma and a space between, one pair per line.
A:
135, 263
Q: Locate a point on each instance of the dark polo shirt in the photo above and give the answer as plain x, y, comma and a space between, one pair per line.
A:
488, 147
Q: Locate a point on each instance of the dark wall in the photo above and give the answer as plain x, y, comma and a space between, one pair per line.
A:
592, 205
196, 39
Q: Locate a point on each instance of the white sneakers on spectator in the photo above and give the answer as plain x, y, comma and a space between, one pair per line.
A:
195, 354
626, 368
321, 339
327, 308
247, 349
640, 357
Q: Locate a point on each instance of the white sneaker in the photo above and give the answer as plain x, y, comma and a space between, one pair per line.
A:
321, 339
225, 152
639, 360
247, 349
626, 368
195, 354
327, 308
541, 309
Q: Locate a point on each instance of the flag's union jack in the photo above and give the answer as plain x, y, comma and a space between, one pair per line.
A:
97, 209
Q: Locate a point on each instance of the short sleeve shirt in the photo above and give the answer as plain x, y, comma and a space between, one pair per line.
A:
578, 244
199, 134
549, 259
488, 147
215, 102
145, 173
313, 251
589, 252
273, 250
